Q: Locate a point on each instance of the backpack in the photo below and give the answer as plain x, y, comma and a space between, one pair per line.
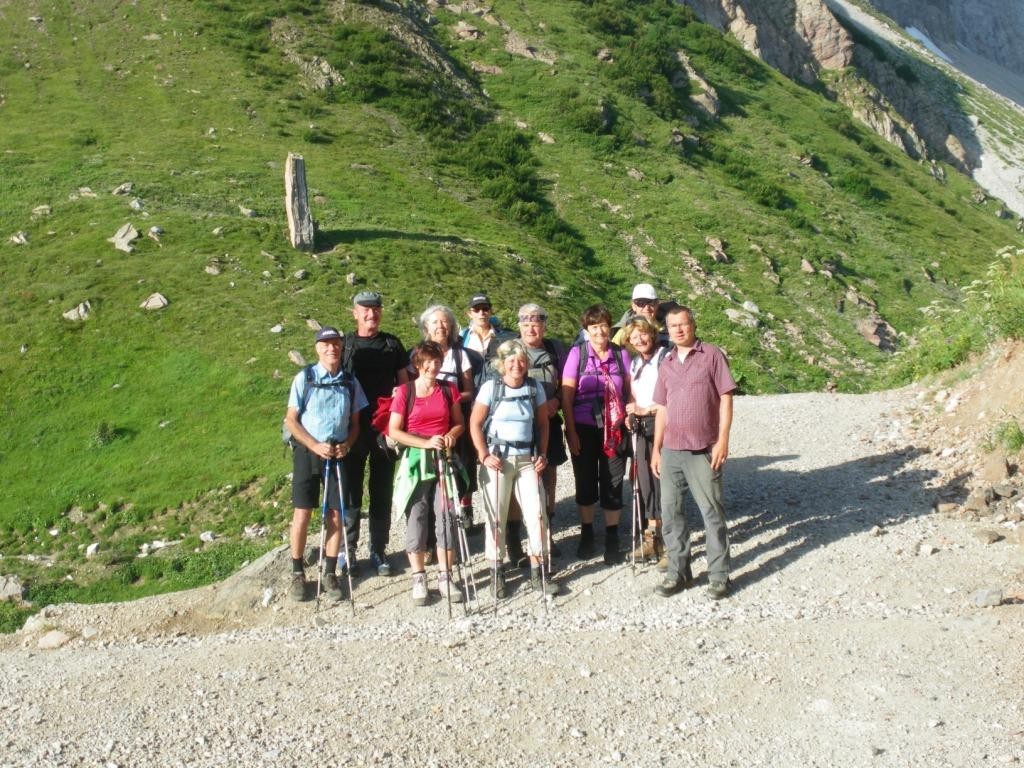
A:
657, 359
346, 381
381, 418
499, 398
584, 353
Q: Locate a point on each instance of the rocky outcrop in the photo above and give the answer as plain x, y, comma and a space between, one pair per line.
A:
992, 29
797, 37
875, 111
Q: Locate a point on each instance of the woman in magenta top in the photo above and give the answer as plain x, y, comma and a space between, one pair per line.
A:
595, 389
434, 423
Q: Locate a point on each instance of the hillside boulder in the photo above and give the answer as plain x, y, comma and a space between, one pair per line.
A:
154, 301
124, 237
81, 312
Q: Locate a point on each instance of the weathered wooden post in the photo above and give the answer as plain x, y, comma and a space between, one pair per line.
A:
296, 202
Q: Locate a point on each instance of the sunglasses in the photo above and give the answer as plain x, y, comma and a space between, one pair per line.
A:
481, 308
645, 302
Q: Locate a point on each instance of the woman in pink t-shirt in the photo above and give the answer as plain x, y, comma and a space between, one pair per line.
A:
434, 424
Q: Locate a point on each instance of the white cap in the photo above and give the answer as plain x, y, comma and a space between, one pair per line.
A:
644, 291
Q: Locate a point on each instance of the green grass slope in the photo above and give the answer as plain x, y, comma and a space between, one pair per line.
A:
430, 182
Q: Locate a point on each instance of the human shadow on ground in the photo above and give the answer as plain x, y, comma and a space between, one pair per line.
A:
789, 512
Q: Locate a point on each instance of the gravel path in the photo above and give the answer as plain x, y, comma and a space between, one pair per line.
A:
853, 638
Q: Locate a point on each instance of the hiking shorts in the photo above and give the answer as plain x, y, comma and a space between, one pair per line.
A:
308, 481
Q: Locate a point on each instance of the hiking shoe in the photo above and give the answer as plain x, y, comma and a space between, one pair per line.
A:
717, 589
446, 582
348, 568
297, 588
429, 557
332, 587
585, 549
419, 588
611, 550
536, 583
380, 564
670, 586
516, 556
645, 549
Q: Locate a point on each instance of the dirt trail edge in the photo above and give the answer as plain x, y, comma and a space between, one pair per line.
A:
858, 634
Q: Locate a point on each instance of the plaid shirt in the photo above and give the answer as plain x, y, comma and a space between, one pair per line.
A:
691, 391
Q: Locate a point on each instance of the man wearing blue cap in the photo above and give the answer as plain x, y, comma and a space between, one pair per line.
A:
323, 420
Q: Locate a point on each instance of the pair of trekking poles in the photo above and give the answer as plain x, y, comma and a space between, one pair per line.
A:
451, 511
545, 555
335, 465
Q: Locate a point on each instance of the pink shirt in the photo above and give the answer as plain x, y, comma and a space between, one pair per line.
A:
430, 415
691, 391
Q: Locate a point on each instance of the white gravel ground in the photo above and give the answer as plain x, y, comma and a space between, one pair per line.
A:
848, 641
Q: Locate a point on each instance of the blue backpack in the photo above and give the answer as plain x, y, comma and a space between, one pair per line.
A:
346, 381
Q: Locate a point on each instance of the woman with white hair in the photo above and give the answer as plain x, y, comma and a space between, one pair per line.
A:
437, 324
509, 426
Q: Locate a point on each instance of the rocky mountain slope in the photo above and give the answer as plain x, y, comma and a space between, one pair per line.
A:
867, 67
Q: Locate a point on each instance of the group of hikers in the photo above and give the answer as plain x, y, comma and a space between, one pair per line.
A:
494, 410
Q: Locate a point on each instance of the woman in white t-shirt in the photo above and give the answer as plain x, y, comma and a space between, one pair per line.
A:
509, 427
641, 409
437, 324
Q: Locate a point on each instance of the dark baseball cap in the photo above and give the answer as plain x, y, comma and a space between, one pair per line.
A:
477, 299
327, 333
367, 299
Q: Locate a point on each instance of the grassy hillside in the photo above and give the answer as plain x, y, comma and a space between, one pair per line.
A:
431, 181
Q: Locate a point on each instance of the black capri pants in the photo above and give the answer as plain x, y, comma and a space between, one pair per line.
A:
597, 476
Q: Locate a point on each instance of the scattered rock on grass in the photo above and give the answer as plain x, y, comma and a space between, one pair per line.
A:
81, 312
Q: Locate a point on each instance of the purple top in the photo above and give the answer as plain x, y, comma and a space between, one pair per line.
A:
590, 386
691, 391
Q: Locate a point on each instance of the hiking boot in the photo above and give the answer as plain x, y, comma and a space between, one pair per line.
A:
429, 557
348, 565
611, 549
554, 549
670, 586
380, 564
419, 588
585, 549
659, 549
536, 583
446, 582
718, 588
297, 587
516, 556
645, 549
332, 587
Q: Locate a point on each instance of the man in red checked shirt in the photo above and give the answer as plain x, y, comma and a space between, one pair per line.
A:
691, 444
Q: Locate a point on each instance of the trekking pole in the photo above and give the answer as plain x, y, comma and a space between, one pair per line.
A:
444, 529
496, 521
545, 548
344, 537
635, 479
465, 574
323, 533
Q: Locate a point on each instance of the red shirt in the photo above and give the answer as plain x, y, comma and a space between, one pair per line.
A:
691, 391
430, 415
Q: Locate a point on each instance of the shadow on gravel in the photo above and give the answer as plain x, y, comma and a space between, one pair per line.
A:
791, 513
